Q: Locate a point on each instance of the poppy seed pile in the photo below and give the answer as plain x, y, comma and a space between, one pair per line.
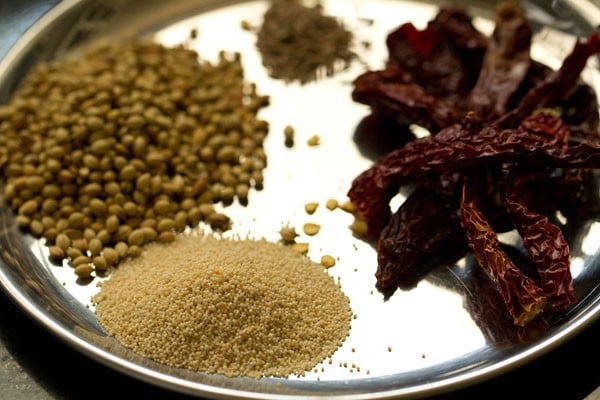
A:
233, 307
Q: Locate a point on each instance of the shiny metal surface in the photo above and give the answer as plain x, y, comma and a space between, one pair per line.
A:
422, 361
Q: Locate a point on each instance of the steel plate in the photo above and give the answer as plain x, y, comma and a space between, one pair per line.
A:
421, 342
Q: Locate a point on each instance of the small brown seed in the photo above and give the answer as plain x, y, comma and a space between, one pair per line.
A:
29, 207
50, 235
73, 253
348, 207
332, 204
166, 237
136, 238
112, 223
128, 173
84, 270
288, 234
162, 206
165, 224
56, 254
134, 251
311, 229
194, 216
110, 255
206, 209
122, 234
180, 221
80, 260
104, 236
359, 227
327, 261
98, 207
150, 233
76, 220
314, 140
80, 243
95, 246
23, 221
311, 207
288, 133
37, 228
100, 263
241, 191
218, 221
63, 241
301, 248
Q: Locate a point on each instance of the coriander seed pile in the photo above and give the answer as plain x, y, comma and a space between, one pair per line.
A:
129, 143
233, 307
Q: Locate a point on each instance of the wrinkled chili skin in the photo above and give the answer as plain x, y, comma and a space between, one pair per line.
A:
541, 139
524, 299
558, 84
500, 81
444, 58
486, 306
544, 242
579, 110
385, 92
429, 72
424, 233
505, 64
489, 136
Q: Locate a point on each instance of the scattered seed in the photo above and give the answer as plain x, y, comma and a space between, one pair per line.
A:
57, 254
311, 229
314, 140
348, 207
311, 207
245, 25
288, 234
301, 248
84, 270
359, 227
327, 261
331, 204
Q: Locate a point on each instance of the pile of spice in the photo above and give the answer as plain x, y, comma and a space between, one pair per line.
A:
299, 43
129, 143
233, 307
513, 145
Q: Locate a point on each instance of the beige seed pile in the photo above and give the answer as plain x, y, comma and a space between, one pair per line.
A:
232, 307
128, 143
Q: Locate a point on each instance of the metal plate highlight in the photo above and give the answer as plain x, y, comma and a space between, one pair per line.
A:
421, 342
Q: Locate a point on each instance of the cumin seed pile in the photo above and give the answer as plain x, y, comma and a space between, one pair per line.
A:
298, 43
233, 307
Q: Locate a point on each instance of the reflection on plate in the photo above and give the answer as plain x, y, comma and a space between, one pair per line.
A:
442, 334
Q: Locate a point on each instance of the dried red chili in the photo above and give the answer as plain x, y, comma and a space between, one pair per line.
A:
505, 64
423, 234
558, 84
544, 242
473, 174
522, 296
540, 140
